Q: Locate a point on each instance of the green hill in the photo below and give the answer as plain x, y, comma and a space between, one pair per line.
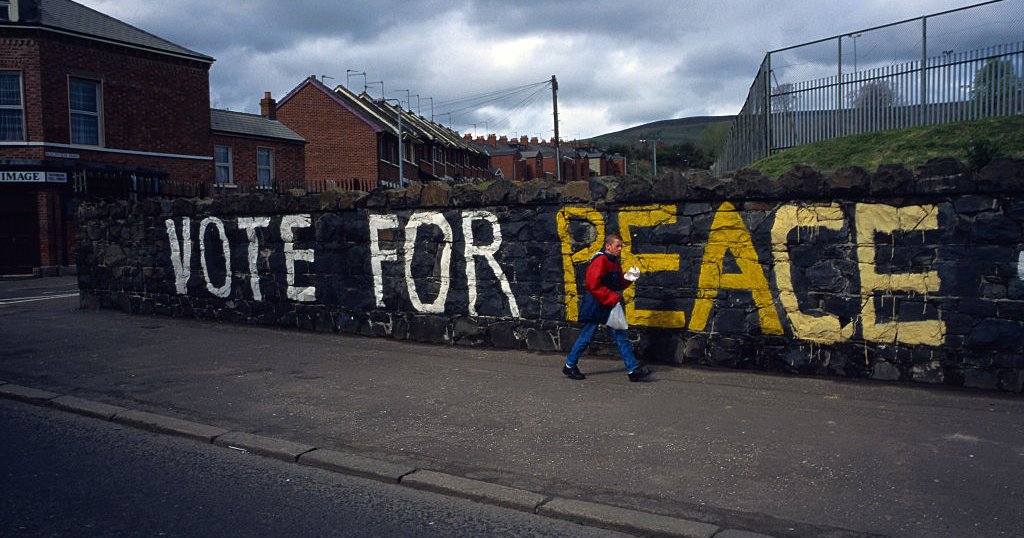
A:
973, 142
676, 131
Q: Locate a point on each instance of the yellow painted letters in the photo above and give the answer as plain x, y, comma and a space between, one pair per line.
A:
825, 329
570, 258
729, 234
881, 218
637, 217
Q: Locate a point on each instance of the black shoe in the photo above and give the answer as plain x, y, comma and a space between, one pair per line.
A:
573, 372
639, 374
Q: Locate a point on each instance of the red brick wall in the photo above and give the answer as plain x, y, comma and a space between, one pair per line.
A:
151, 102
20, 53
289, 159
340, 145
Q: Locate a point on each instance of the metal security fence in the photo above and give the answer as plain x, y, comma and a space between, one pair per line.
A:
883, 78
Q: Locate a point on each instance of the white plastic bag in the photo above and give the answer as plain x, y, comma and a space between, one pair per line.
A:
617, 319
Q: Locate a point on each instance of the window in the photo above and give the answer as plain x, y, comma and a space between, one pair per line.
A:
12, 113
85, 112
222, 160
265, 167
5, 11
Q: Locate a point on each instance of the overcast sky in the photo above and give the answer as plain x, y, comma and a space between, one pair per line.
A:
618, 63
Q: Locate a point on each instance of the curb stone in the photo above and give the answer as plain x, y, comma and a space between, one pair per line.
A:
627, 520
475, 490
26, 394
161, 424
733, 533
582, 512
87, 407
264, 446
344, 462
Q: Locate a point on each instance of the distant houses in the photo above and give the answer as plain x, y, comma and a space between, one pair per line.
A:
524, 159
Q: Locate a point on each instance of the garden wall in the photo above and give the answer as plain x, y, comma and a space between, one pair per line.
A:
896, 274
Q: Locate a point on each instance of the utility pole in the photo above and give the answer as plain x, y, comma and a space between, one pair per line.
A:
554, 107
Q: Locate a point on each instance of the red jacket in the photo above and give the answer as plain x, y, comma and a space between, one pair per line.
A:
604, 281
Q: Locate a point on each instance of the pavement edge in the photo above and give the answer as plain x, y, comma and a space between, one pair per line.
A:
582, 512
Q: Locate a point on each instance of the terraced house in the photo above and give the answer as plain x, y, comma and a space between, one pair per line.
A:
92, 106
353, 140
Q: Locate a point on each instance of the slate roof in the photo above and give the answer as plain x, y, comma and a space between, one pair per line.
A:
227, 121
78, 19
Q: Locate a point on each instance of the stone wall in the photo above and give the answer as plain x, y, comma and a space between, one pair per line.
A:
896, 274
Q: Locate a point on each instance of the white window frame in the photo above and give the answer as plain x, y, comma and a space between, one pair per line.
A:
20, 107
97, 114
268, 168
227, 165
5, 11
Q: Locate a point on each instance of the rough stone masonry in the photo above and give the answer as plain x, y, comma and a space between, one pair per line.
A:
896, 274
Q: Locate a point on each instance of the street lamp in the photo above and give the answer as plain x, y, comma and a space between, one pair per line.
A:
854, 38
654, 161
401, 148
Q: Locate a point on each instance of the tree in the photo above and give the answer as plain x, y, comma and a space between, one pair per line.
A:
998, 87
875, 95
783, 98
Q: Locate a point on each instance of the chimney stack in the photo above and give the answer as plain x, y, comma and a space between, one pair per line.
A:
268, 107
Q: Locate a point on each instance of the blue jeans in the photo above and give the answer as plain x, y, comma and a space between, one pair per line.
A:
621, 339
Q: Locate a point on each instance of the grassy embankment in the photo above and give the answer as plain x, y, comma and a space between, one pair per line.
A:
974, 143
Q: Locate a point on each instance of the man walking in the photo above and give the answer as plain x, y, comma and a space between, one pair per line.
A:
605, 282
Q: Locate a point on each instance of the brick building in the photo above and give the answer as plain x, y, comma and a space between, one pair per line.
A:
353, 140
91, 106
85, 107
254, 152
526, 158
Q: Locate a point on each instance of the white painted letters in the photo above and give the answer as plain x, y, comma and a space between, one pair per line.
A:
379, 256
291, 255
249, 224
181, 255
225, 289
418, 219
487, 252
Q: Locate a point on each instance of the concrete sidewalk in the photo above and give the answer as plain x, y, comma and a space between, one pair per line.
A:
738, 451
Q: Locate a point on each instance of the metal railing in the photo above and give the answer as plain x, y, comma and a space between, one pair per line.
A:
872, 90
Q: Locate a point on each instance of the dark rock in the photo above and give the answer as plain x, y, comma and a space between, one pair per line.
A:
576, 192
598, 188
436, 194
943, 175
466, 195
849, 181
501, 192
669, 187
629, 189
800, 181
891, 179
1001, 175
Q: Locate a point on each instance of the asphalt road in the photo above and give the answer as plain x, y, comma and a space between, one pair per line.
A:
786, 456
71, 476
